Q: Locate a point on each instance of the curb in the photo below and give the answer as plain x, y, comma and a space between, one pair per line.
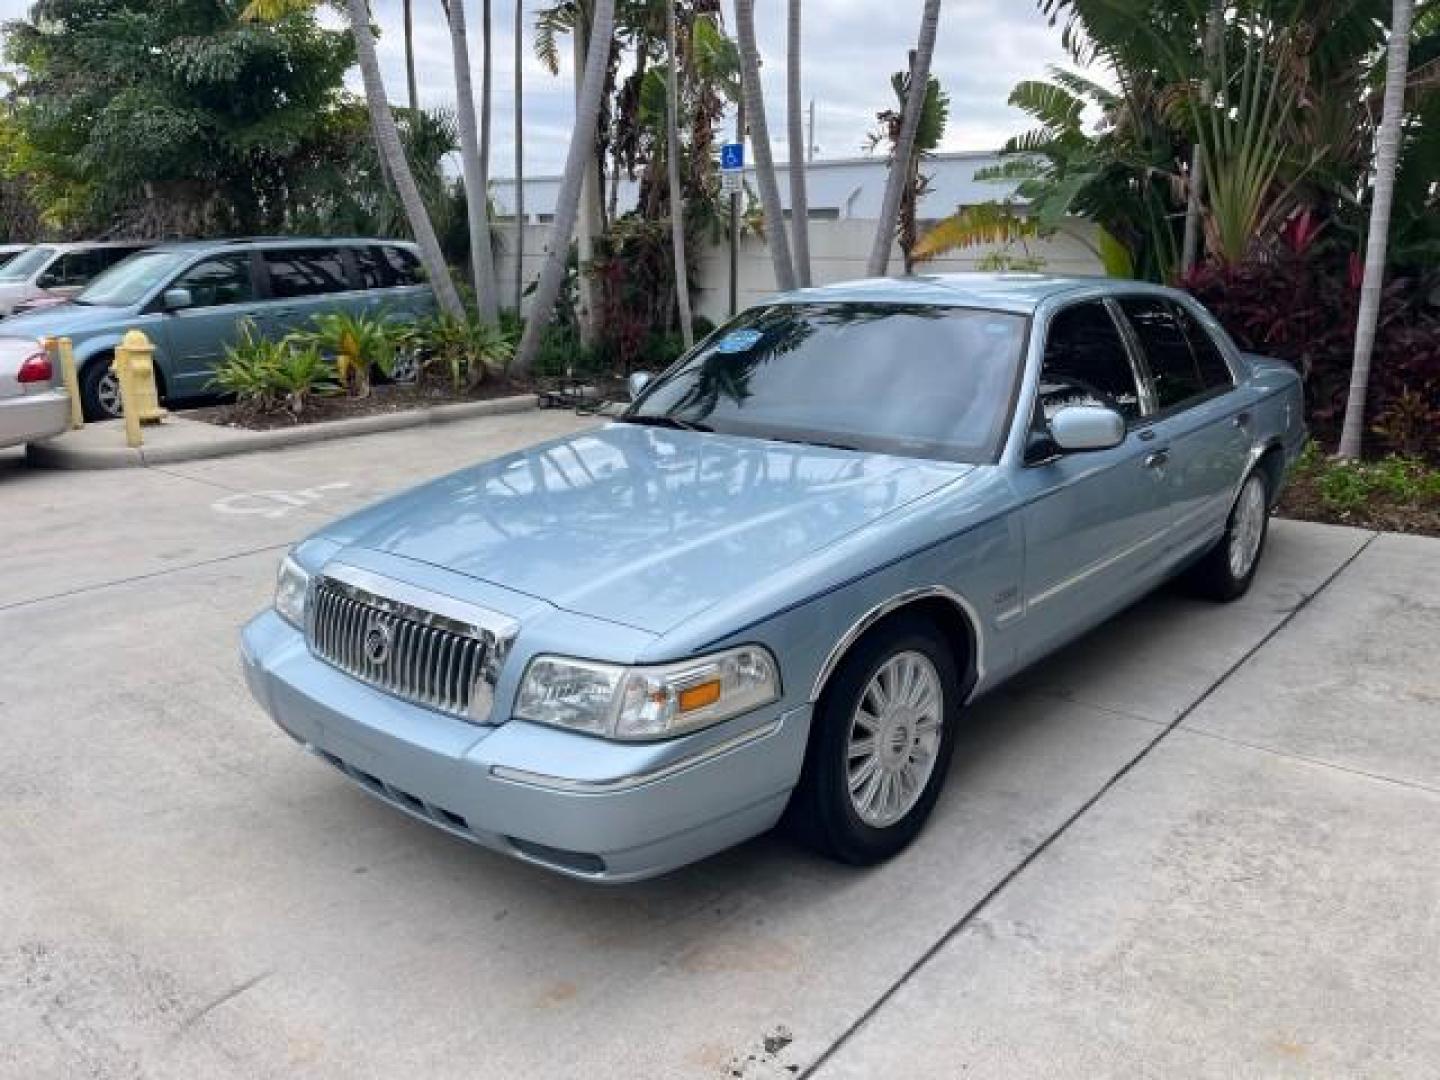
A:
56, 455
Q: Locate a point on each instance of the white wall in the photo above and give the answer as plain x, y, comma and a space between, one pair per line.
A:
838, 250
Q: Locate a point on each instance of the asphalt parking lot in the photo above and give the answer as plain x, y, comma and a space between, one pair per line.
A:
1203, 841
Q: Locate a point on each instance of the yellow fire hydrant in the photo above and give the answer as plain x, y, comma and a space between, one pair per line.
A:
134, 367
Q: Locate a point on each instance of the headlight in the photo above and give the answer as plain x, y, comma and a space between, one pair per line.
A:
291, 587
647, 702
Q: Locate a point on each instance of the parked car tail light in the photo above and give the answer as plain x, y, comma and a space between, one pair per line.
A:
35, 369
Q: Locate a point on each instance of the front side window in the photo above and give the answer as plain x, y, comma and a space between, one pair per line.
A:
296, 272
219, 281
1086, 363
910, 379
1167, 350
70, 269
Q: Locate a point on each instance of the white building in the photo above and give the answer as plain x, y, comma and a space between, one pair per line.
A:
838, 189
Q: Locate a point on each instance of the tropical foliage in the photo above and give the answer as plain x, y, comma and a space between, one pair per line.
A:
934, 115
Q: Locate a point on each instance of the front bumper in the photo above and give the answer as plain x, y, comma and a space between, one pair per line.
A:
585, 807
32, 417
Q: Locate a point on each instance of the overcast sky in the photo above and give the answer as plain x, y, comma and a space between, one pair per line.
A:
851, 48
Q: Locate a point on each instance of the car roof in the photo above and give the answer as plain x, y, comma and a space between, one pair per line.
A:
230, 243
1020, 293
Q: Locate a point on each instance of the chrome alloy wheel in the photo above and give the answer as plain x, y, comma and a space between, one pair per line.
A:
894, 739
1248, 527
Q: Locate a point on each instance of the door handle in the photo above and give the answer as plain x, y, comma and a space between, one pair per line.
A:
1157, 459
1241, 420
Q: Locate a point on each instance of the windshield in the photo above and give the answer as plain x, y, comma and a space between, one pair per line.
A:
127, 282
909, 379
26, 265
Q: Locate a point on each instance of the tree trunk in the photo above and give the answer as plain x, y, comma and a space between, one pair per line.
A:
482, 258
567, 206
585, 236
410, 83
1190, 248
799, 151
754, 95
519, 153
488, 58
392, 153
905, 144
672, 167
1387, 157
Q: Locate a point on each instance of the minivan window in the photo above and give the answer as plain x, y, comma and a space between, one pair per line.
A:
1167, 351
297, 272
919, 380
374, 269
405, 266
218, 281
127, 283
25, 265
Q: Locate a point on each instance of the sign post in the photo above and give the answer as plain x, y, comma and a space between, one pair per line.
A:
732, 182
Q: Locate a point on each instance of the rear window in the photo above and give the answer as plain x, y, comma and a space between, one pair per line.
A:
296, 272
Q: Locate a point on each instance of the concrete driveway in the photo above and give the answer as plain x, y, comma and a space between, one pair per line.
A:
1204, 841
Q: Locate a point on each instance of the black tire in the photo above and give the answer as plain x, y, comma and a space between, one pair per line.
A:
1216, 576
95, 394
822, 813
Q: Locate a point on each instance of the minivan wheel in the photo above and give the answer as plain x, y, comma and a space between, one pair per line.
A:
100, 391
1227, 569
881, 743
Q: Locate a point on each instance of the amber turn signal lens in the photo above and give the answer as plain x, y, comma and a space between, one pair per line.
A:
697, 697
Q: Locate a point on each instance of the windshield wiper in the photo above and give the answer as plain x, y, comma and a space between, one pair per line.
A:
813, 442
672, 422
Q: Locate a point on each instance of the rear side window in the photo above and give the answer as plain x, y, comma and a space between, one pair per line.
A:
404, 265
1215, 373
1167, 350
296, 272
1086, 363
374, 269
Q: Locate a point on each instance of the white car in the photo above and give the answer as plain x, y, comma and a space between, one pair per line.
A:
58, 270
32, 407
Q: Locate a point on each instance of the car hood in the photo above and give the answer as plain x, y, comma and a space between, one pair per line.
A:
642, 526
67, 318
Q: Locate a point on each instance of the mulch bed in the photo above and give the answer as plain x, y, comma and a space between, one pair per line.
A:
391, 398
1301, 500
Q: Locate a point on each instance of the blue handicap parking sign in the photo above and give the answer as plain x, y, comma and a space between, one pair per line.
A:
732, 156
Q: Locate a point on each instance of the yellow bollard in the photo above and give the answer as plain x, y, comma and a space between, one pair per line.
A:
72, 383
134, 366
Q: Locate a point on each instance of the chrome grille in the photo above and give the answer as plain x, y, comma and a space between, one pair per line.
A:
408, 651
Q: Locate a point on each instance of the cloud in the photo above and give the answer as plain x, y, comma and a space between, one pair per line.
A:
851, 49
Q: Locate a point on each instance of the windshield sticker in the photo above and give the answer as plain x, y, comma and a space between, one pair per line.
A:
738, 341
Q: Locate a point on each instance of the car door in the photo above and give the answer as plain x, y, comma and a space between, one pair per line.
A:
1095, 522
1198, 416
223, 298
305, 282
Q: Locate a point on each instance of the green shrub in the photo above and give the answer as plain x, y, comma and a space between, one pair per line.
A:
265, 375
358, 345
467, 349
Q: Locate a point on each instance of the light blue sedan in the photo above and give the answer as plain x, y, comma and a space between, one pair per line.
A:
770, 588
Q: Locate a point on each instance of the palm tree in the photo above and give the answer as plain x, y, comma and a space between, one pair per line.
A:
760, 139
900, 166
482, 258
488, 59
387, 144
578, 160
672, 167
1387, 141
1190, 246
799, 150
410, 83
519, 152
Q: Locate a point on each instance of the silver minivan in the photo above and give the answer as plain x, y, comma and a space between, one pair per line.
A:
57, 272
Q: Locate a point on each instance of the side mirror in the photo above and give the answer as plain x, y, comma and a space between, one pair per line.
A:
637, 382
178, 299
1087, 427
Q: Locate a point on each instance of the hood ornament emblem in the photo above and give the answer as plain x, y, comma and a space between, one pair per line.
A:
377, 643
